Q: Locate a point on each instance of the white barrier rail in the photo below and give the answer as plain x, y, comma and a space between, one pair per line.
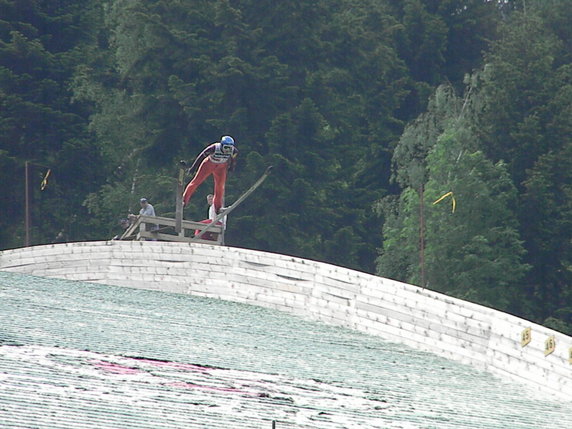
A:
505, 345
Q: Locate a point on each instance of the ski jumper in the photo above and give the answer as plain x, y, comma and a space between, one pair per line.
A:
212, 160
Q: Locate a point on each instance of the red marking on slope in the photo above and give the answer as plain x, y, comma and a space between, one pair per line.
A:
115, 368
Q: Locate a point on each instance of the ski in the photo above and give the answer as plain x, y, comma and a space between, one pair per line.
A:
235, 204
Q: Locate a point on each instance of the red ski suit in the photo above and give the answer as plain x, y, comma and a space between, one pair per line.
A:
211, 161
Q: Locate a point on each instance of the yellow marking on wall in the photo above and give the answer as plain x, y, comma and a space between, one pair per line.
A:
549, 345
525, 337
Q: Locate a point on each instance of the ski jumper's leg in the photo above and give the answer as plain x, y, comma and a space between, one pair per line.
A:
205, 170
219, 175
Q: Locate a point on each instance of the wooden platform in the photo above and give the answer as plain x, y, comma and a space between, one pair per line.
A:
165, 229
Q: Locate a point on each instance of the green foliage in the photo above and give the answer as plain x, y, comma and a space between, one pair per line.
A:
504, 153
547, 202
39, 48
475, 252
400, 257
559, 324
472, 251
441, 41
409, 157
521, 85
423, 41
527, 122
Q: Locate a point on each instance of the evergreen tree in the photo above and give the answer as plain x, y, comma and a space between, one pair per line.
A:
473, 252
527, 122
547, 203
518, 87
441, 41
402, 232
39, 48
304, 170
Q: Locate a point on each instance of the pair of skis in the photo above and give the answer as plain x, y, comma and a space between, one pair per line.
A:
234, 205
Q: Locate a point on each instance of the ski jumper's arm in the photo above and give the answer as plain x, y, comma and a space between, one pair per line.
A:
206, 152
232, 160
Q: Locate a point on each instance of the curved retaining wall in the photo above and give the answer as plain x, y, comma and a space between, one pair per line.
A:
423, 319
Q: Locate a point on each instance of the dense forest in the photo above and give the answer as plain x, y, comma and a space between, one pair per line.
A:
428, 141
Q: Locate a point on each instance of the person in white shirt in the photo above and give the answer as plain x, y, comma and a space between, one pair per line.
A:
212, 211
212, 216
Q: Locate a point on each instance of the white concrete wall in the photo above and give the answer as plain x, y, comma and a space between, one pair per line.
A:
423, 319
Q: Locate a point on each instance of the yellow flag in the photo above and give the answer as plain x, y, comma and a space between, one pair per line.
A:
453, 201
45, 180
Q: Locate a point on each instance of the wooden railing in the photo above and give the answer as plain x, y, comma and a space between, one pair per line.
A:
165, 229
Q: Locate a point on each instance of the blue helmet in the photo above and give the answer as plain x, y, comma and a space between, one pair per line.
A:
227, 141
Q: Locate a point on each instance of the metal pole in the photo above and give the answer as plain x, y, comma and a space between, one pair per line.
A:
179, 200
422, 236
27, 217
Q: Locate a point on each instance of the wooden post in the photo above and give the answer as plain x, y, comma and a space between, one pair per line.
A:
179, 201
27, 216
